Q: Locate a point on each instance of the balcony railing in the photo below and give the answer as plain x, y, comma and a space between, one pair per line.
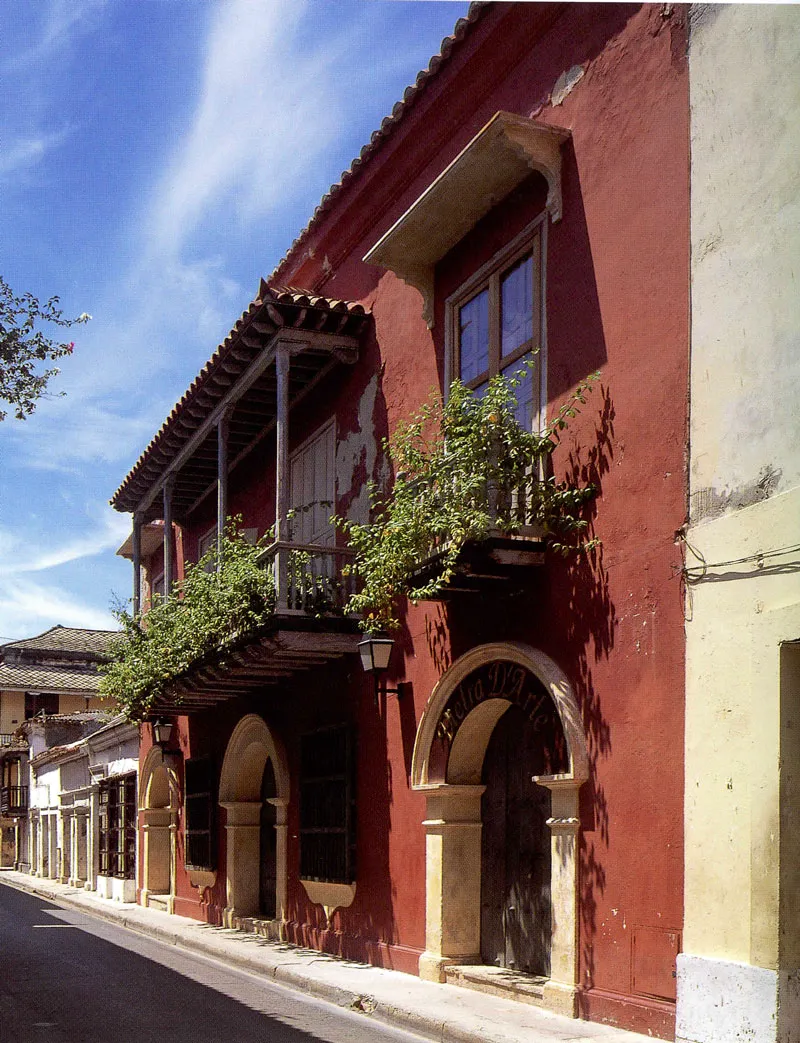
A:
13, 800
6, 738
309, 578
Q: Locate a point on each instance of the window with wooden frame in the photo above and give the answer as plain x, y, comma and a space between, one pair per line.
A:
200, 831
208, 541
118, 827
495, 323
327, 806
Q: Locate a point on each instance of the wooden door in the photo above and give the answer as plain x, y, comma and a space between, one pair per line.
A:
268, 862
312, 488
515, 851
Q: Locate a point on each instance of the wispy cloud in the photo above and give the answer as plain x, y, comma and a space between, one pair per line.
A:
20, 556
27, 607
19, 156
58, 24
268, 109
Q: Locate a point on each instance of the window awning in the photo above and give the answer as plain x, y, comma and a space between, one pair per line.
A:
497, 159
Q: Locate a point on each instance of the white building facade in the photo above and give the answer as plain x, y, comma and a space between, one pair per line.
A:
83, 809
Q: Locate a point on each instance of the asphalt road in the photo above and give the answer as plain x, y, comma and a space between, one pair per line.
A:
67, 977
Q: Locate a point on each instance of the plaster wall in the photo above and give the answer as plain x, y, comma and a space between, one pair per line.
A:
738, 976
745, 132
12, 711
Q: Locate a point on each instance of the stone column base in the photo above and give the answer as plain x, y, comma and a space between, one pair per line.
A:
432, 965
561, 999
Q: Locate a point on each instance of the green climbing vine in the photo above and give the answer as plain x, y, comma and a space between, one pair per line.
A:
464, 469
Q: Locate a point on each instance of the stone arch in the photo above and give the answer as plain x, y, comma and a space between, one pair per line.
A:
158, 805
249, 748
453, 820
542, 666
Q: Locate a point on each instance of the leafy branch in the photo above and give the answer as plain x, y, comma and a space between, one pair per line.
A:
24, 347
209, 611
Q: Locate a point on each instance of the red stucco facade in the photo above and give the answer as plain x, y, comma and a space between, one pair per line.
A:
616, 301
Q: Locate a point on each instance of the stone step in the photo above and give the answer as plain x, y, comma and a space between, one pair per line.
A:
498, 981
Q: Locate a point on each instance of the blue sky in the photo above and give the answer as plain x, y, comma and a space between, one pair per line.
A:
156, 158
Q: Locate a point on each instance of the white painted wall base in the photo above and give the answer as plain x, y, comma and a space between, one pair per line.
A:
118, 890
720, 1001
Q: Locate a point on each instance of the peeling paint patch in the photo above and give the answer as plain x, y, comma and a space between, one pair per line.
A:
709, 503
565, 83
356, 456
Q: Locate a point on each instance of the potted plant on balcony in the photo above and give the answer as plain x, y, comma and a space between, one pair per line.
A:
466, 473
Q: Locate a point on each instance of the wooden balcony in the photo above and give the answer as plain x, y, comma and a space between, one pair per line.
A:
503, 562
310, 579
309, 628
14, 800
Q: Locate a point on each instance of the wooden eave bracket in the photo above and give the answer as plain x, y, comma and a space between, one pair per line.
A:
498, 158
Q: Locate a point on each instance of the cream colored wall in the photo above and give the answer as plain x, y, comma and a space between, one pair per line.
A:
745, 141
744, 478
12, 711
78, 703
734, 733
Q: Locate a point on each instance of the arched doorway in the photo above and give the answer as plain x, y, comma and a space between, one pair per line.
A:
498, 796
254, 791
158, 806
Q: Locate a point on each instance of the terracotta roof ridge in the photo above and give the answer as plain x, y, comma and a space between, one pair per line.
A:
399, 110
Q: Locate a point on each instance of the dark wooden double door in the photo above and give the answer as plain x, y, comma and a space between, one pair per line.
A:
515, 851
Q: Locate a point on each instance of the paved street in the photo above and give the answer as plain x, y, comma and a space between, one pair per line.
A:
71, 978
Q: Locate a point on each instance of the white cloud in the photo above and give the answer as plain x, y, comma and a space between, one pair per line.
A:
20, 556
58, 24
24, 153
27, 608
268, 111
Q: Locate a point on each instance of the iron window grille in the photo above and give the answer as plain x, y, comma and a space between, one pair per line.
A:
200, 826
327, 805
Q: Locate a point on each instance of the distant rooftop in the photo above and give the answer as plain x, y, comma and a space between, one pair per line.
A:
34, 677
64, 639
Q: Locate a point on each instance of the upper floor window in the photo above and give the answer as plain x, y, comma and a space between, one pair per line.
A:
495, 323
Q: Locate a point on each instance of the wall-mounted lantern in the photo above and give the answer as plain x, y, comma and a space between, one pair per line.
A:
375, 654
162, 731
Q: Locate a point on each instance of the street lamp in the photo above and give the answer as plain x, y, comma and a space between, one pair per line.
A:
375, 654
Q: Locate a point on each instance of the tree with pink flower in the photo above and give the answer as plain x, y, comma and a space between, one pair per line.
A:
25, 348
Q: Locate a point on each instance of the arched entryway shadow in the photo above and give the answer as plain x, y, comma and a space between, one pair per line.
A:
449, 752
251, 751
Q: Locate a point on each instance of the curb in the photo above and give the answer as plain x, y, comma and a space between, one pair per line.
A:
417, 1011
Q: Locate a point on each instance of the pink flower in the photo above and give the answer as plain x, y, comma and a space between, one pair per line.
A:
70, 347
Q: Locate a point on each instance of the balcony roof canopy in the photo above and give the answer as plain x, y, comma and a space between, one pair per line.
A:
277, 653
497, 159
238, 384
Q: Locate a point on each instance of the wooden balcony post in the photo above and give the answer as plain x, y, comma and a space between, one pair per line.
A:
137, 564
168, 486
282, 470
223, 427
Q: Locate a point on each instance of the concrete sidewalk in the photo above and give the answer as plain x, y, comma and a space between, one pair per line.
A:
444, 1013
